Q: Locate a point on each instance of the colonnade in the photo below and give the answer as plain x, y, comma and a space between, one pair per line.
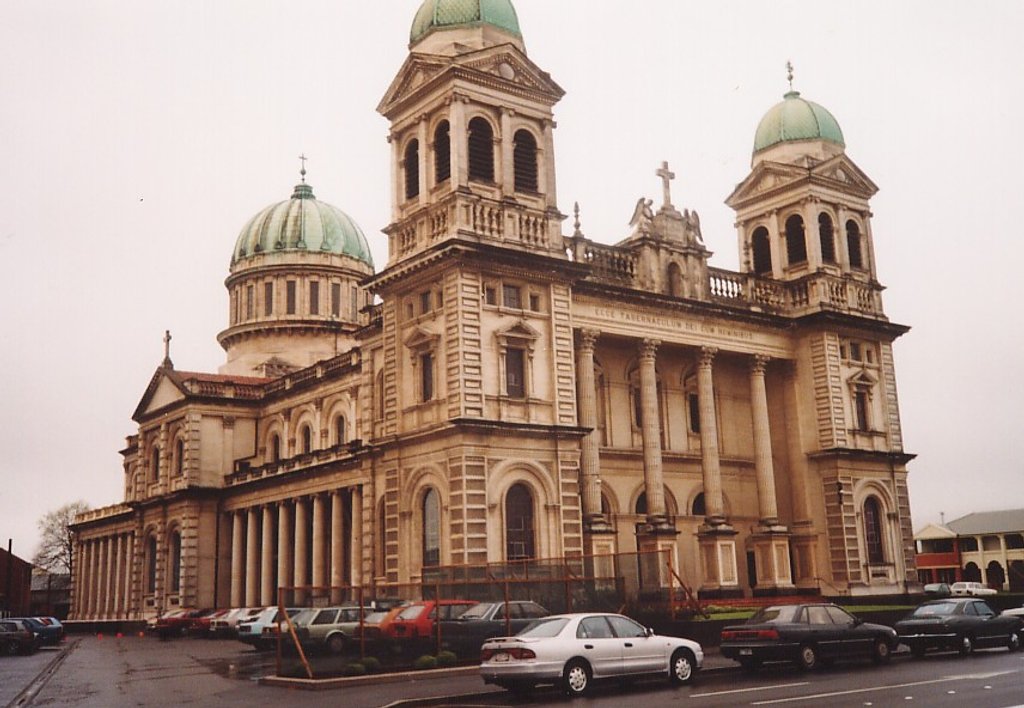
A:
102, 586
312, 540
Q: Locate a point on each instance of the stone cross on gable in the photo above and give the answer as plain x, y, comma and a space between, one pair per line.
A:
167, 349
666, 184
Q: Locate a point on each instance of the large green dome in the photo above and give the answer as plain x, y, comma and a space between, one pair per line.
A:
302, 223
440, 14
796, 119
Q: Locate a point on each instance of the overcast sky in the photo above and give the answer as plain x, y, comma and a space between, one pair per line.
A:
138, 136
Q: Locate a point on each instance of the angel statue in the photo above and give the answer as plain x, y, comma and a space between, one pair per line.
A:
643, 216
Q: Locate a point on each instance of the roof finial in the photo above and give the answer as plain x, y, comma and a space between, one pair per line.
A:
576, 219
302, 171
789, 74
667, 176
167, 363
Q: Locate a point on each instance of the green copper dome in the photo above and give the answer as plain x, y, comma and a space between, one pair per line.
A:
796, 119
302, 223
440, 14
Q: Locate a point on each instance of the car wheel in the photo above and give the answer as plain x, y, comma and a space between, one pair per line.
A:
681, 667
882, 652
336, 644
1013, 643
576, 677
966, 645
807, 659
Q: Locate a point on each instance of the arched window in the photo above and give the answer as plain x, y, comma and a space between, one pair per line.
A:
442, 152
174, 560
524, 161
995, 576
154, 464
853, 244
972, 573
698, 506
339, 430
411, 164
431, 528
151, 565
826, 233
641, 505
873, 530
762, 251
519, 523
306, 434
796, 245
179, 457
274, 448
481, 150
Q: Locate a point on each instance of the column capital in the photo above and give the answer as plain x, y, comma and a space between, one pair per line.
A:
648, 348
758, 363
588, 338
705, 356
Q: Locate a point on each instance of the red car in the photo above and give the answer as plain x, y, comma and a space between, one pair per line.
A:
200, 625
418, 619
176, 622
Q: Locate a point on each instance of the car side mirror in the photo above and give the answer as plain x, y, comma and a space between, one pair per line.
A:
857, 621
650, 631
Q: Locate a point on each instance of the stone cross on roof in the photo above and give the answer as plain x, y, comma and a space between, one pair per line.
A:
167, 363
666, 178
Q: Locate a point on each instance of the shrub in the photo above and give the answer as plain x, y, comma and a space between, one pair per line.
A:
446, 658
425, 662
372, 664
355, 669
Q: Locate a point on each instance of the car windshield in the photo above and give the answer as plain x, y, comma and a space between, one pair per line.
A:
938, 609
304, 617
411, 613
547, 627
783, 613
477, 611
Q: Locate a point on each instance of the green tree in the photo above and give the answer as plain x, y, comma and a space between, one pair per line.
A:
56, 544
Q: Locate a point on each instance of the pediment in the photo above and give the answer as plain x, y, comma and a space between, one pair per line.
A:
847, 176
765, 177
503, 65
862, 378
420, 338
518, 330
163, 390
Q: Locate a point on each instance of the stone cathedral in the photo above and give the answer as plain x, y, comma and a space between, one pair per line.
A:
506, 388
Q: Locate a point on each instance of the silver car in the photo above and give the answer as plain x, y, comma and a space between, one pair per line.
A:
572, 650
332, 628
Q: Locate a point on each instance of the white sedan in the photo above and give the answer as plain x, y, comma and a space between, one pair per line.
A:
572, 650
971, 588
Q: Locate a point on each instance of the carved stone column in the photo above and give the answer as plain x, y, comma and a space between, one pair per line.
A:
319, 541
118, 573
252, 558
301, 547
337, 544
654, 482
267, 588
590, 458
713, 500
237, 558
357, 536
767, 503
285, 562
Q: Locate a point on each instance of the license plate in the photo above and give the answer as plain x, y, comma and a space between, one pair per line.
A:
746, 652
501, 656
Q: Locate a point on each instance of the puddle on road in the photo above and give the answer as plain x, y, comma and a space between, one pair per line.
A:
240, 668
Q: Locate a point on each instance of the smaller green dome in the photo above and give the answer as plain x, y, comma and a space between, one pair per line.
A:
441, 14
302, 223
796, 119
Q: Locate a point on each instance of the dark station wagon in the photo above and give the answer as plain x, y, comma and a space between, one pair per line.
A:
807, 635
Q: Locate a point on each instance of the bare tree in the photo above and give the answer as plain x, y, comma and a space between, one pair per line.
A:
56, 545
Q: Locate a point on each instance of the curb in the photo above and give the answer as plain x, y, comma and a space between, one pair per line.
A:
36, 685
371, 680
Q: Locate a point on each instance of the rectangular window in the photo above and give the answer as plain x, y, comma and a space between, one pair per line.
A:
336, 299
250, 298
425, 302
515, 373
268, 299
490, 296
355, 303
439, 296
855, 351
426, 377
535, 302
693, 400
290, 297
510, 297
860, 401
314, 297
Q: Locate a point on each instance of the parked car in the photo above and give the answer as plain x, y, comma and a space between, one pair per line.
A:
960, 624
1015, 611
375, 624
331, 628
572, 650
971, 588
200, 626
17, 637
227, 625
261, 631
938, 590
417, 620
806, 634
465, 634
176, 622
49, 632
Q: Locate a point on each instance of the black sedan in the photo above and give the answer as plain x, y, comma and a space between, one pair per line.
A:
467, 633
807, 635
958, 624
